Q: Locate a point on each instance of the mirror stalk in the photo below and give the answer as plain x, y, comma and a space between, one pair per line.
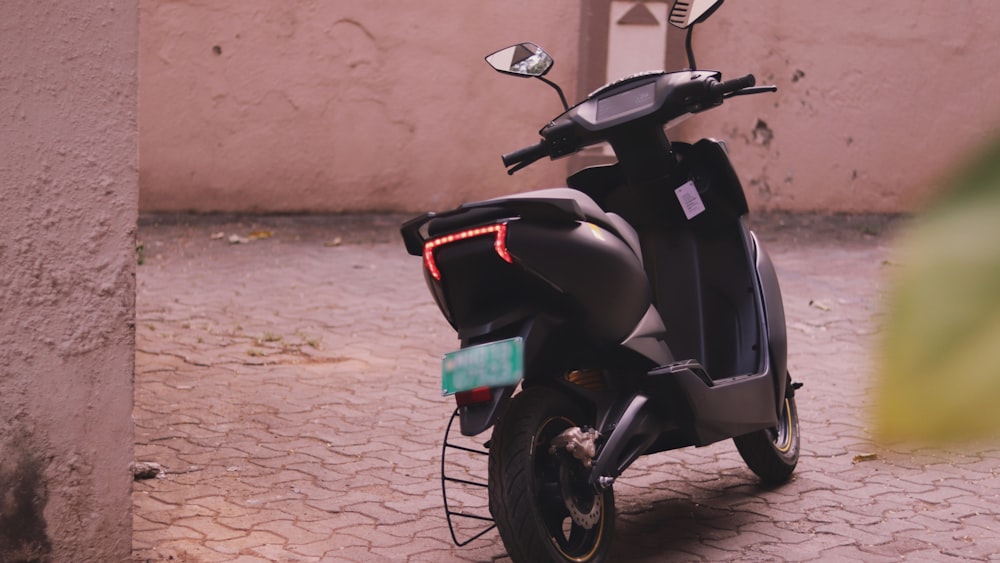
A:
562, 97
690, 50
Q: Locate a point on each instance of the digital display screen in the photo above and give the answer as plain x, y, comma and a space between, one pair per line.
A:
637, 98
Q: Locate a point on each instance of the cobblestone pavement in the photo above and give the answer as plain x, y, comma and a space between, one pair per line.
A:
289, 386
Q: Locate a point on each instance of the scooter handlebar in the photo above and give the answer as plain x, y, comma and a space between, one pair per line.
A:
734, 85
523, 157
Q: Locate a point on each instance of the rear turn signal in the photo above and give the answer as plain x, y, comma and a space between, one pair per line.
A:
500, 244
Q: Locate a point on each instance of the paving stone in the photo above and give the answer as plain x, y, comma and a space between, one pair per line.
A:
291, 390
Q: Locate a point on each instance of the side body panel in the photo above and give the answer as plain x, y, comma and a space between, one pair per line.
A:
774, 313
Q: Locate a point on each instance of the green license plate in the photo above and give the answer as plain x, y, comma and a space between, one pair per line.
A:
495, 364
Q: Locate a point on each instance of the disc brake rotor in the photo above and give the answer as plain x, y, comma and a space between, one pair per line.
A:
586, 511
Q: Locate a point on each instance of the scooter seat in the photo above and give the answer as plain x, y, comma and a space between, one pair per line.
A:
591, 212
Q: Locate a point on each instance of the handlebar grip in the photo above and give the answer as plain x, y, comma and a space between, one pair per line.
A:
526, 155
729, 86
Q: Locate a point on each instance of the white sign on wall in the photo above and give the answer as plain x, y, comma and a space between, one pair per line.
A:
637, 38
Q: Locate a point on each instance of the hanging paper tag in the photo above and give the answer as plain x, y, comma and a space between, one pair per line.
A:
689, 199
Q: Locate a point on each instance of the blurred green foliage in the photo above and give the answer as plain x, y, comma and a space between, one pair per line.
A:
939, 371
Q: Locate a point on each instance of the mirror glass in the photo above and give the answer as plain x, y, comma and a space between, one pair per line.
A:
686, 13
525, 59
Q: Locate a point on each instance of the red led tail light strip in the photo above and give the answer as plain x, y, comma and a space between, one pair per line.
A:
500, 244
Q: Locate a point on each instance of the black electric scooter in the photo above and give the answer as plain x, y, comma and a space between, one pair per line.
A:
634, 309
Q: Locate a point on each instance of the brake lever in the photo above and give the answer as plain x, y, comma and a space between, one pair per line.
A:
752, 90
519, 166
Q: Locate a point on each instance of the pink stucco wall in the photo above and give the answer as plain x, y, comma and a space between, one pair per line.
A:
309, 105
68, 206
335, 106
877, 100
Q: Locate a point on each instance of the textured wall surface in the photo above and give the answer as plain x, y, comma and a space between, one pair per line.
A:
308, 105
68, 204
876, 100
331, 106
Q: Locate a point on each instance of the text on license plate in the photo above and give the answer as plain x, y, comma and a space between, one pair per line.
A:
495, 364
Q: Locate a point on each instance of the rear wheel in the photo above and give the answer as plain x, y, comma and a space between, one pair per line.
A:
773, 453
543, 505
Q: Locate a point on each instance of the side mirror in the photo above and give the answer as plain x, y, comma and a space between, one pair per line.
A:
525, 59
686, 13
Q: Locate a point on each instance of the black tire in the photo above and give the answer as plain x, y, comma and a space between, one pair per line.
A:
528, 486
773, 453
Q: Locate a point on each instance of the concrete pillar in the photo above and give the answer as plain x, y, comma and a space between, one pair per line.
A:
68, 206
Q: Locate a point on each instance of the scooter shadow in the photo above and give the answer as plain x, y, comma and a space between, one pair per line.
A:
686, 524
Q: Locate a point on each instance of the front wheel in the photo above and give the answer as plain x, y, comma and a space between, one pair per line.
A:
773, 453
543, 505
